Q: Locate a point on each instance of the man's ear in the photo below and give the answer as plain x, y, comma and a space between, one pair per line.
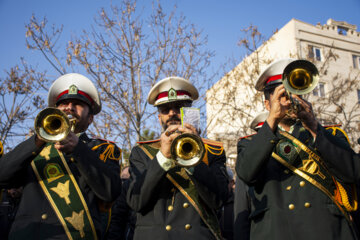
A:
159, 117
90, 119
267, 104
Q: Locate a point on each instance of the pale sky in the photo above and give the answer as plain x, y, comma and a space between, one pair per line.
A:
221, 20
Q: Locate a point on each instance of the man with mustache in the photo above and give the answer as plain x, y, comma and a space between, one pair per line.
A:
174, 202
64, 183
297, 191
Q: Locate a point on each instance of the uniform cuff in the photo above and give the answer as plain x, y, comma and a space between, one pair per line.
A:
164, 162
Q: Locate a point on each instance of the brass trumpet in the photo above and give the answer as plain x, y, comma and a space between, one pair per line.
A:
53, 125
299, 77
187, 150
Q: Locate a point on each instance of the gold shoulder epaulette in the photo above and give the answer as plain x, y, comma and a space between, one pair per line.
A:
336, 128
214, 147
212, 142
111, 151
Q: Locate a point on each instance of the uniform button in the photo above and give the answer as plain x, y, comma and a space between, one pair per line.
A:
286, 171
186, 205
288, 188
302, 183
44, 216
272, 141
72, 159
291, 206
33, 153
170, 208
187, 227
307, 205
168, 227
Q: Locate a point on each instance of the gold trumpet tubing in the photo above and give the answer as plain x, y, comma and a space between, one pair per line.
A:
295, 105
1, 150
72, 123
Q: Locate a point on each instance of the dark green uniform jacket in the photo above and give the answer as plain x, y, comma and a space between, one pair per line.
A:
284, 205
242, 203
163, 211
35, 219
350, 162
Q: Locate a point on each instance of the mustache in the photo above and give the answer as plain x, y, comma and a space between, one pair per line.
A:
173, 118
164, 125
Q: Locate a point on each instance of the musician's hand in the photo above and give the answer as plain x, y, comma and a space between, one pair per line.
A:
171, 133
166, 139
278, 107
306, 115
38, 142
68, 144
188, 128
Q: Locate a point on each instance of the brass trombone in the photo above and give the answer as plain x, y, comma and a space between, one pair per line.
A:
299, 77
187, 150
53, 125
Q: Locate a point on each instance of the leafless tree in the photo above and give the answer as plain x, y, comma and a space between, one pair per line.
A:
338, 106
126, 53
234, 96
20, 98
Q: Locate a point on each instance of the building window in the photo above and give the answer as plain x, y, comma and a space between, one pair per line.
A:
314, 53
358, 92
319, 90
356, 61
342, 30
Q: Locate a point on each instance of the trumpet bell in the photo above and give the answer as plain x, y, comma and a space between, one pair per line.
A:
52, 125
187, 150
300, 77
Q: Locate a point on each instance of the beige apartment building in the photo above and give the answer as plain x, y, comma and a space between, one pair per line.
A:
333, 47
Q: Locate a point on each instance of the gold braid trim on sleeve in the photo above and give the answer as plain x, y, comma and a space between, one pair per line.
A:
334, 129
212, 149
